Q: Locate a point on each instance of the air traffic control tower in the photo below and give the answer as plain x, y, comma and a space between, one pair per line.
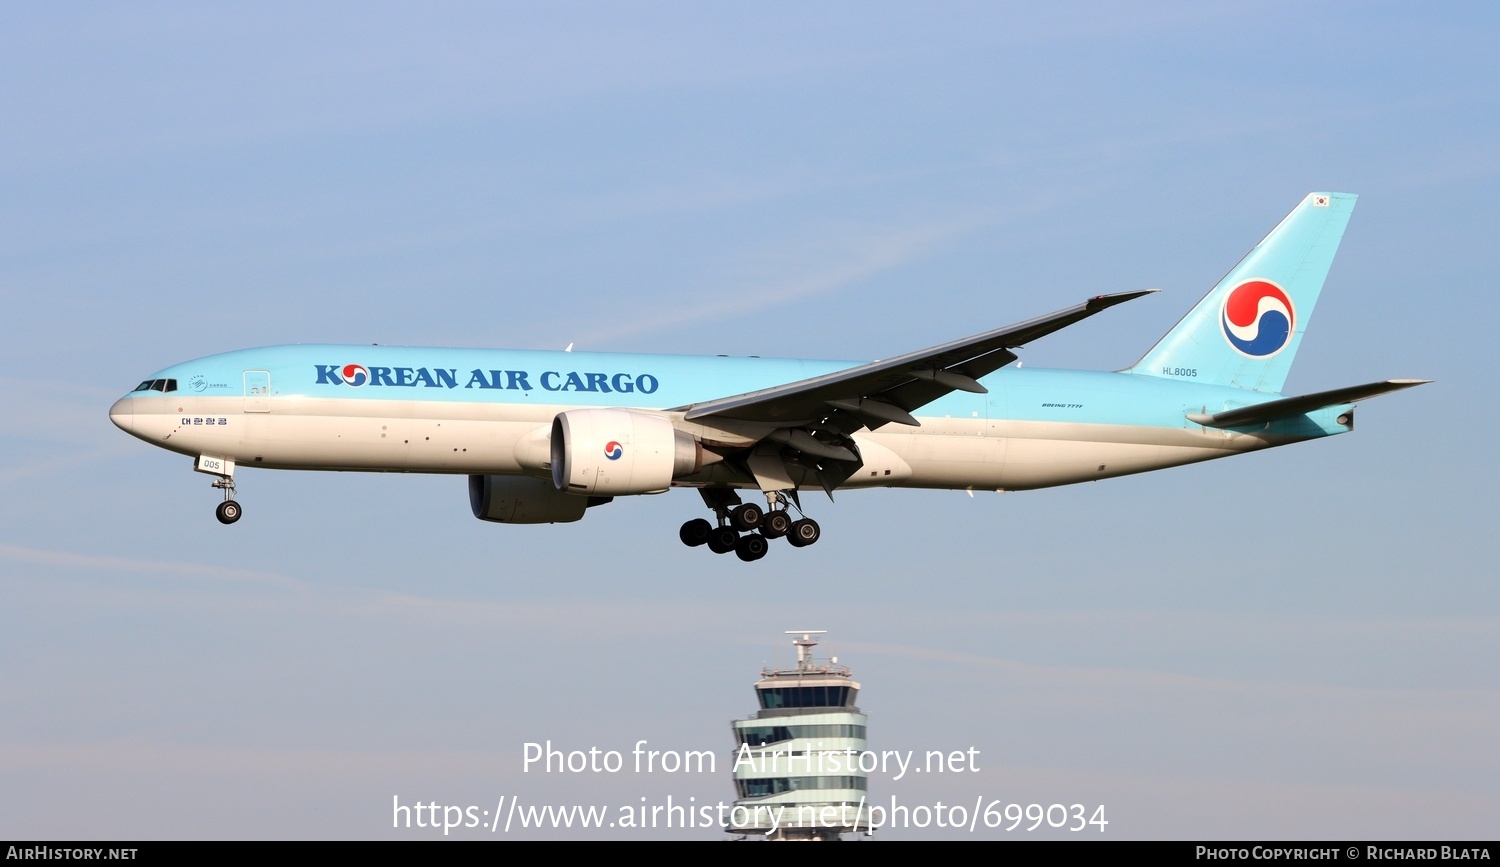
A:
796, 762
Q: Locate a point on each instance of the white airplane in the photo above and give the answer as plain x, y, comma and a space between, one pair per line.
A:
543, 436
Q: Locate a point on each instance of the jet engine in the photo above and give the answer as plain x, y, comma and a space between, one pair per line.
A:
609, 452
524, 500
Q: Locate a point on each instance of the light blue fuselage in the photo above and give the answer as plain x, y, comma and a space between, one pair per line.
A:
545, 435
294, 407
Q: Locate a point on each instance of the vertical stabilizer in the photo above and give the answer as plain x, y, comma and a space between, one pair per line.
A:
1246, 331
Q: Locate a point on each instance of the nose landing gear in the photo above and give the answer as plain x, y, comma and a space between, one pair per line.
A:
228, 511
222, 469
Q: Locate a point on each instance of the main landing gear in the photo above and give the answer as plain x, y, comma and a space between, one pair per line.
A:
746, 529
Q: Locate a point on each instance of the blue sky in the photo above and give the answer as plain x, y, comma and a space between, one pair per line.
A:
1297, 643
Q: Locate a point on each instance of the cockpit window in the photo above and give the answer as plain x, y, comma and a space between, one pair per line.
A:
166, 386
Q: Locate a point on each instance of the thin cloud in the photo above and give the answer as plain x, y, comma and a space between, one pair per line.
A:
196, 571
51, 465
876, 254
601, 618
1138, 679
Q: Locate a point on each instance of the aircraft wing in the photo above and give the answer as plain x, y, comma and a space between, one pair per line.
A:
880, 392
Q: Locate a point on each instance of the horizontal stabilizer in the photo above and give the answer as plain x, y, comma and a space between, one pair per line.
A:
1286, 406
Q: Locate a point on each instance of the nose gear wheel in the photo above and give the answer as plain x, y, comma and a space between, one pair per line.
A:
228, 512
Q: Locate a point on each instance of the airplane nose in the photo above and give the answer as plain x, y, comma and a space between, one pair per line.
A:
123, 414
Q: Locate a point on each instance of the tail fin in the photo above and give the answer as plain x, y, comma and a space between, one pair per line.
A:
1246, 331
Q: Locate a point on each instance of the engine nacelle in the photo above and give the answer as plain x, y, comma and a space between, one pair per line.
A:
524, 500
613, 452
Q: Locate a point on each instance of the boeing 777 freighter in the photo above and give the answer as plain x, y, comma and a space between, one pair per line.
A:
544, 436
